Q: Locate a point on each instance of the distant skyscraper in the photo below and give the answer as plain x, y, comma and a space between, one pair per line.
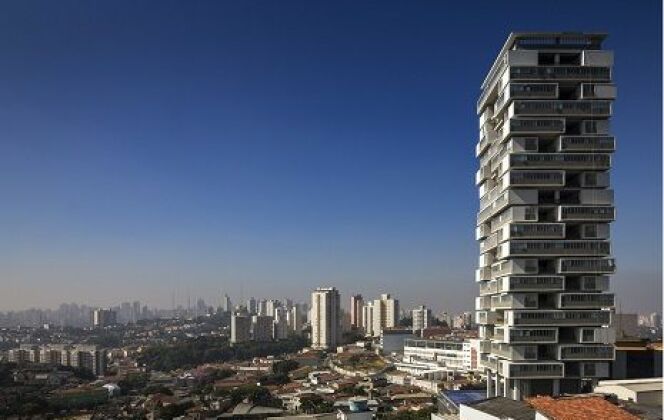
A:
356, 305
226, 304
240, 328
136, 311
261, 308
544, 155
367, 318
325, 318
262, 327
385, 314
103, 318
421, 318
251, 305
270, 306
280, 323
295, 319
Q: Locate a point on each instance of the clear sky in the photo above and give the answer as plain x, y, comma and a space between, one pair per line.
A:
269, 147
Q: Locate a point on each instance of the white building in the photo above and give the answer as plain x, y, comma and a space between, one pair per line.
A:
367, 319
421, 318
325, 318
294, 317
240, 328
385, 314
544, 155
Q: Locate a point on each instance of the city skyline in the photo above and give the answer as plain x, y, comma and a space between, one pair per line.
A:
233, 156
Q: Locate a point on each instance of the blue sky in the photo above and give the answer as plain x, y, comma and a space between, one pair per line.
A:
266, 148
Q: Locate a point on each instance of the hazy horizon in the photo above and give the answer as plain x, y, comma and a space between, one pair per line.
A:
266, 149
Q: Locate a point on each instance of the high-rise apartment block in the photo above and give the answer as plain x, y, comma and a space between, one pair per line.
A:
103, 318
385, 314
240, 328
325, 318
544, 155
262, 327
421, 318
356, 305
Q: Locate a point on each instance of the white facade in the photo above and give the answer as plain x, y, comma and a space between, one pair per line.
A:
325, 318
544, 155
421, 318
385, 314
367, 319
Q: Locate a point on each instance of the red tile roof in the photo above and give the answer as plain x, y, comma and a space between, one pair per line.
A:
579, 408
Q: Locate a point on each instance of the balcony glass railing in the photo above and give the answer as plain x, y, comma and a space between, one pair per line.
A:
560, 73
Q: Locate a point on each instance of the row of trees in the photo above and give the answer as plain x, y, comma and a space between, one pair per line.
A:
202, 350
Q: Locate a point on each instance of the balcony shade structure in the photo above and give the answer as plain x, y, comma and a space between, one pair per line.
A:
545, 207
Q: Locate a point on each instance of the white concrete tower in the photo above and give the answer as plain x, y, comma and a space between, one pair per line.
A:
325, 318
544, 154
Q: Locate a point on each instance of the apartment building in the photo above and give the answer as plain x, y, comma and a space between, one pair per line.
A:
356, 309
325, 318
544, 155
421, 318
241, 328
385, 314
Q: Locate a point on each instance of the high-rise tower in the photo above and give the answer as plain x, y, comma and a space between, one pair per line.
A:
545, 206
325, 318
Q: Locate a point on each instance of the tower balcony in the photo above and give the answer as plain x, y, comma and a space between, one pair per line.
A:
488, 288
585, 300
486, 317
512, 352
597, 91
586, 213
532, 335
514, 91
482, 303
524, 178
531, 284
586, 143
515, 266
514, 301
557, 317
525, 248
532, 370
535, 126
594, 161
567, 73
601, 335
586, 352
567, 108
532, 231
586, 266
